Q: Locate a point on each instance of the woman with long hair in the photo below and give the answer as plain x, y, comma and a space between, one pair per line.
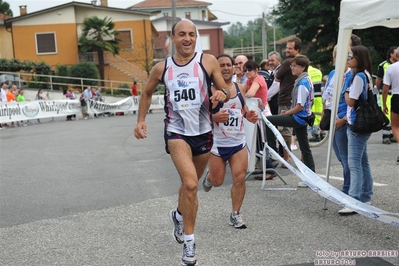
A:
361, 182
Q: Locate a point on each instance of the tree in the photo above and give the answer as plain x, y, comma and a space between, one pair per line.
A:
143, 55
238, 35
5, 8
98, 35
317, 22
314, 21
85, 70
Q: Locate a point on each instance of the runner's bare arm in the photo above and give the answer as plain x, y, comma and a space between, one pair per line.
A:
140, 132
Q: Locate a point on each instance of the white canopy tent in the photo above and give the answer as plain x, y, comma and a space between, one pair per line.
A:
357, 14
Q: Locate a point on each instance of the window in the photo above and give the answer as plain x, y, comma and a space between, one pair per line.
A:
46, 43
203, 14
188, 15
205, 42
166, 14
125, 39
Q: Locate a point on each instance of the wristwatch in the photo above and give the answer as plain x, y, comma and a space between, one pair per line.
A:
224, 91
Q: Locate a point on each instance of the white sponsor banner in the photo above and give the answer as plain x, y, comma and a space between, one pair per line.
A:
326, 190
19, 111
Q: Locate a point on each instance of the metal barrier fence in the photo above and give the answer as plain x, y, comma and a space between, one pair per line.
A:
29, 80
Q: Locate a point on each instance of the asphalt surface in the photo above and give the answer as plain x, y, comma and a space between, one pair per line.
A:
87, 192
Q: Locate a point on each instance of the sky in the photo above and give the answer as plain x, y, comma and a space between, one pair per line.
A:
237, 10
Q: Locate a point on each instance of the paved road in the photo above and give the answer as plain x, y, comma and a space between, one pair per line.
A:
88, 193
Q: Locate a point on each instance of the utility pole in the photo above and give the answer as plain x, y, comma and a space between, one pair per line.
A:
274, 37
264, 37
253, 44
172, 46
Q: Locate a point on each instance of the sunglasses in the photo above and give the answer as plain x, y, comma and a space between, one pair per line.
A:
247, 70
350, 56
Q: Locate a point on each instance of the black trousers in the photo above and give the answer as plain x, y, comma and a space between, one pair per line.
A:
301, 135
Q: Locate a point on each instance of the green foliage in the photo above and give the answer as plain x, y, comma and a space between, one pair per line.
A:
5, 8
95, 31
63, 71
124, 86
14, 65
238, 35
378, 40
86, 70
123, 92
316, 22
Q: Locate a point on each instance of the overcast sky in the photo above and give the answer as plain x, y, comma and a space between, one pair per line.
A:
226, 10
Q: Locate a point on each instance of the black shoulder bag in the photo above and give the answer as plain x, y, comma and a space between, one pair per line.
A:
369, 116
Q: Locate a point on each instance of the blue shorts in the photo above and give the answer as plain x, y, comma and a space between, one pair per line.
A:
200, 144
226, 152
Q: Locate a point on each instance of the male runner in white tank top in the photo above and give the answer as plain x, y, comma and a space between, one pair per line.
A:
188, 126
229, 141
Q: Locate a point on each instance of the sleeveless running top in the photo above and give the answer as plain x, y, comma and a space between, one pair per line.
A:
231, 133
187, 104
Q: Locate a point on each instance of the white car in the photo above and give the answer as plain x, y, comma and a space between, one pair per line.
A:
13, 80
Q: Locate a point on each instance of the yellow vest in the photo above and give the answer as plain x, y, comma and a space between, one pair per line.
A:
315, 74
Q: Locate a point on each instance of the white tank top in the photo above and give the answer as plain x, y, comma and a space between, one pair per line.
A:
231, 133
187, 104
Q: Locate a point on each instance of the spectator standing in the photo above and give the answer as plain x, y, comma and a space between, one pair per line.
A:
256, 84
287, 79
188, 125
21, 98
83, 104
264, 69
340, 142
134, 92
316, 77
240, 77
229, 141
12, 94
297, 115
39, 97
361, 181
391, 80
387, 136
69, 95
272, 84
3, 97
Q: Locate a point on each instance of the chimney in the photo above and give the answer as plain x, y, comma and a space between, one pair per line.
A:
22, 10
104, 2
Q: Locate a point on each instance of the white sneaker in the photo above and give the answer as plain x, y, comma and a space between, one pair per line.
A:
346, 211
294, 147
302, 184
206, 184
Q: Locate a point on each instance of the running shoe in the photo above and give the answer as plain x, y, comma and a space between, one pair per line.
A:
178, 228
236, 220
188, 257
206, 184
